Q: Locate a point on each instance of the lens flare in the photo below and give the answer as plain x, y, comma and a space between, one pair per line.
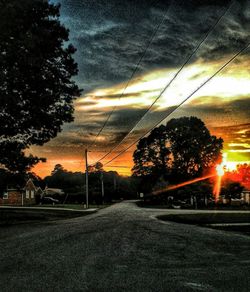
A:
217, 188
174, 187
220, 170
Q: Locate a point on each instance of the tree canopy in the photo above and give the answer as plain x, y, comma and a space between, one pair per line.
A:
152, 153
36, 89
73, 184
98, 167
194, 150
184, 148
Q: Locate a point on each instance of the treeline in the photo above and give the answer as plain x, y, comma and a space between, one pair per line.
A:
103, 186
181, 151
115, 186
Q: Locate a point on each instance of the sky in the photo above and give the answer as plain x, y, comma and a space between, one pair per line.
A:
150, 41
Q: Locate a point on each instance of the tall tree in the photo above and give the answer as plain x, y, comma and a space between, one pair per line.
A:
57, 168
152, 153
98, 167
36, 90
194, 150
184, 148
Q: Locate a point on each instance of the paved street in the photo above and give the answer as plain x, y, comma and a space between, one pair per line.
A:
122, 248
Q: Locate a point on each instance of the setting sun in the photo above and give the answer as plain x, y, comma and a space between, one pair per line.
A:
220, 170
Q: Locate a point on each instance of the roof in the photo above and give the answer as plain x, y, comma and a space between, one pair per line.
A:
53, 191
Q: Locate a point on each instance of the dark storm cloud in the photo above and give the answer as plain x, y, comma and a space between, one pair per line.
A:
119, 125
237, 106
111, 35
86, 103
124, 95
124, 119
117, 128
111, 96
123, 122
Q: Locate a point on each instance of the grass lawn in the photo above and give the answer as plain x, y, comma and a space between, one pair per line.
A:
228, 221
34, 214
208, 218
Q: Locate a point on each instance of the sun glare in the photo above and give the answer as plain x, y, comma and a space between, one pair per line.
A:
220, 170
231, 165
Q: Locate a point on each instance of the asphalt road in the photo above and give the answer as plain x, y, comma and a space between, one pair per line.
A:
122, 248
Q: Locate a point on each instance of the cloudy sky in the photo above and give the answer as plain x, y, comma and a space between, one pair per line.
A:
150, 41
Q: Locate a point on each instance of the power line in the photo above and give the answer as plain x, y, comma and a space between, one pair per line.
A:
189, 96
132, 75
170, 82
117, 166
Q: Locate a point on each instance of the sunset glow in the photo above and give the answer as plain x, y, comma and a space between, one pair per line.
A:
107, 56
219, 169
142, 91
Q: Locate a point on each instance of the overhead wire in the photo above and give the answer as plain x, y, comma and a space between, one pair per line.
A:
171, 81
188, 97
132, 75
117, 166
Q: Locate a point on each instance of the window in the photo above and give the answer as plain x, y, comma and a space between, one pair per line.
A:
27, 194
32, 194
5, 196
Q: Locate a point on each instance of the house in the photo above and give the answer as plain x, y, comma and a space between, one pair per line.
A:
12, 196
20, 196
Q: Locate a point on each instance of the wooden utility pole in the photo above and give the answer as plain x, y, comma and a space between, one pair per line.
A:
87, 178
102, 185
114, 182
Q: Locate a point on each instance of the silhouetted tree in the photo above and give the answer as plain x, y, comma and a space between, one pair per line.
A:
194, 150
183, 149
36, 90
57, 168
12, 180
152, 153
96, 167
73, 184
63, 179
4, 180
231, 189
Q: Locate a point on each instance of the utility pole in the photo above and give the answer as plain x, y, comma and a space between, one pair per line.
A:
87, 178
102, 184
114, 182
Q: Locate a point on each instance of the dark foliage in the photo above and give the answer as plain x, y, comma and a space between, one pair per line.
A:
194, 150
36, 90
152, 154
17, 180
231, 190
181, 150
73, 184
